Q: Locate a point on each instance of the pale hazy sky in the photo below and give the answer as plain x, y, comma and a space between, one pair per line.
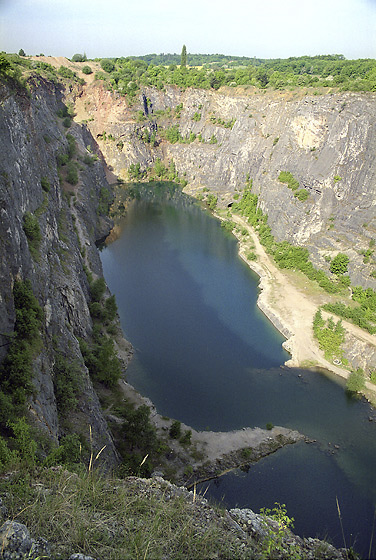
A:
261, 28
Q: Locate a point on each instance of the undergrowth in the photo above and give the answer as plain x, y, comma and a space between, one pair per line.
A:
108, 518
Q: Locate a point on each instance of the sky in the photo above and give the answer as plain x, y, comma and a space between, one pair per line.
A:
260, 28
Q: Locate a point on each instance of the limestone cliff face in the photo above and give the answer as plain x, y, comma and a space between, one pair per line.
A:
327, 142
31, 136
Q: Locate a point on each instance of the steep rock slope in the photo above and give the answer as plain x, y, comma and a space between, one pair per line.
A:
31, 137
327, 142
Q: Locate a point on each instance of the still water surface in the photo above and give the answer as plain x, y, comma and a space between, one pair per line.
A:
207, 356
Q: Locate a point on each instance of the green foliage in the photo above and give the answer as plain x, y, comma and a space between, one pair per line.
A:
356, 381
4, 65
222, 122
90, 160
183, 57
64, 112
79, 57
8, 458
87, 70
101, 359
23, 441
105, 201
72, 174
339, 264
134, 171
69, 452
178, 110
269, 426
160, 170
21, 52
301, 194
172, 134
107, 65
72, 147
330, 336
213, 139
228, 225
137, 428
32, 231
196, 117
285, 254
45, 184
276, 542
97, 289
287, 178
211, 201
362, 315
67, 73
62, 159
175, 429
28, 308
110, 308
185, 439
67, 122
67, 379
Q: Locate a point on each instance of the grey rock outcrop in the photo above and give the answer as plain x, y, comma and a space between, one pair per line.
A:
31, 137
282, 543
16, 543
326, 141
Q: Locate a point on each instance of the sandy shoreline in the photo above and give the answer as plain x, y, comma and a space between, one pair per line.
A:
291, 310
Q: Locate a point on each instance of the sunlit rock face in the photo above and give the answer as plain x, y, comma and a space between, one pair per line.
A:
327, 142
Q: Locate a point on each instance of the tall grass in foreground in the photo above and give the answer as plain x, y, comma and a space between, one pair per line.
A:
115, 519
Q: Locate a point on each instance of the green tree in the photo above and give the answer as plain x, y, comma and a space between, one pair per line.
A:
79, 57
97, 289
183, 57
175, 429
4, 64
107, 65
356, 381
21, 52
339, 264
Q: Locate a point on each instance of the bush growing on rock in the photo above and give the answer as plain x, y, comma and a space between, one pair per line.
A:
339, 264
175, 429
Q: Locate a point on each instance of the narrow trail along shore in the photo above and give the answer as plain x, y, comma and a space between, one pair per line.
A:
291, 309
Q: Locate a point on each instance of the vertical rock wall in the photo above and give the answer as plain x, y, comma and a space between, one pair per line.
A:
31, 136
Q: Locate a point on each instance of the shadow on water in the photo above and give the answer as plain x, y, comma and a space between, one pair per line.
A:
206, 355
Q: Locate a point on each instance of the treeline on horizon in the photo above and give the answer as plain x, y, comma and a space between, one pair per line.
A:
211, 71
127, 75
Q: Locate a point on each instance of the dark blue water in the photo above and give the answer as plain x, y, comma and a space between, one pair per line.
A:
207, 356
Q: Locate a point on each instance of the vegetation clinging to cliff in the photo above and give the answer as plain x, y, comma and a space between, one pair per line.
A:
16, 371
284, 254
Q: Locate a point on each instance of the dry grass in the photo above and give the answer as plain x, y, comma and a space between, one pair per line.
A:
118, 519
